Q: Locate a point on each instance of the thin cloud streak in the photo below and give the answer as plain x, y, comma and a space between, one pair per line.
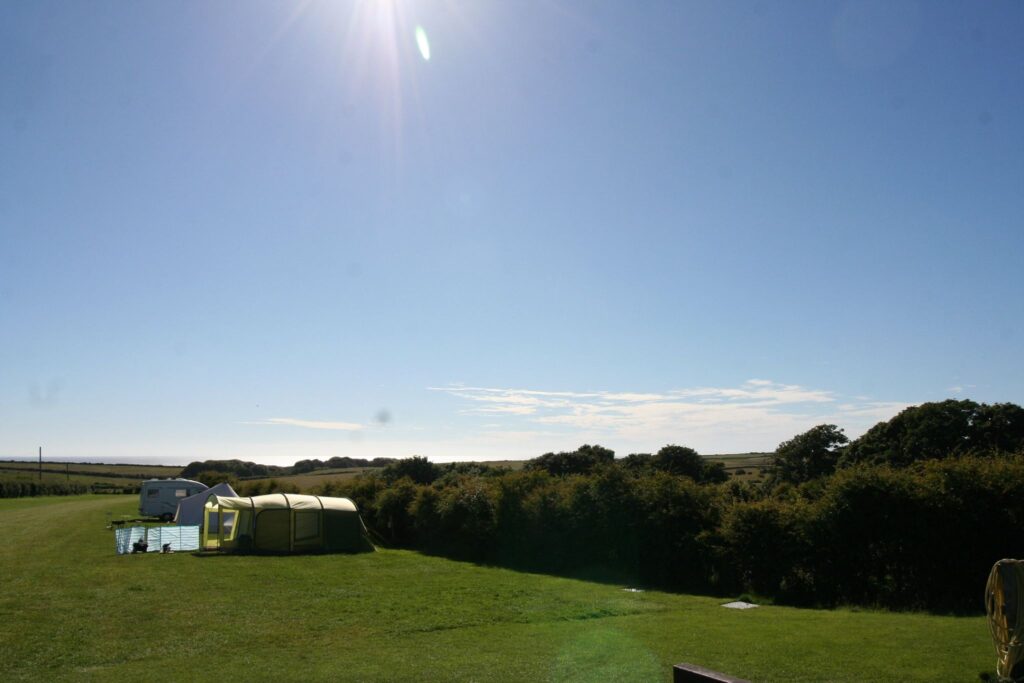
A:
309, 424
756, 415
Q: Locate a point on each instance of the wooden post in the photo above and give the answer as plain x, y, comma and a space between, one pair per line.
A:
691, 673
40, 463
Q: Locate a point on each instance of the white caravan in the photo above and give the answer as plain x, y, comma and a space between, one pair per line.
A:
160, 497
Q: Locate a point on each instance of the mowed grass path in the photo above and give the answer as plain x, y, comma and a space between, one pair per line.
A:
72, 610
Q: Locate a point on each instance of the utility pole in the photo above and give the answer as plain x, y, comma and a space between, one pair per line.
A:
67, 471
40, 463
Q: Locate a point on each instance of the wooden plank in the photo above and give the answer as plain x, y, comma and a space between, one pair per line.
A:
691, 673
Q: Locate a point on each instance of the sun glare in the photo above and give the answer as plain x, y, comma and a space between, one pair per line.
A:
422, 43
378, 50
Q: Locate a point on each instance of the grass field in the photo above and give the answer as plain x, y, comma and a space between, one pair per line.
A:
71, 609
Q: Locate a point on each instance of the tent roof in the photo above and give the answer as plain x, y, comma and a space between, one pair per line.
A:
273, 501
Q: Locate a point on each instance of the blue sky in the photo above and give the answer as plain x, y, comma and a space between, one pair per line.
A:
275, 231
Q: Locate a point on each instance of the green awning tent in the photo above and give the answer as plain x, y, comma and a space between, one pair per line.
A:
283, 523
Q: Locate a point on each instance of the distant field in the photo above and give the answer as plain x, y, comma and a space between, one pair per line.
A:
71, 609
87, 474
311, 480
142, 471
744, 466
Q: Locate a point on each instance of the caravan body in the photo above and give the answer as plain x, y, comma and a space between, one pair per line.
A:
160, 497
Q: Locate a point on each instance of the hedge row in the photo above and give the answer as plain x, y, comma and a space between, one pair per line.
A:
920, 537
21, 488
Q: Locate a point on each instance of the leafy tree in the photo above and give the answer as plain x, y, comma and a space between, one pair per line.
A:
213, 477
713, 473
999, 428
392, 509
637, 463
345, 461
303, 466
679, 460
238, 468
809, 455
933, 431
581, 461
417, 468
453, 472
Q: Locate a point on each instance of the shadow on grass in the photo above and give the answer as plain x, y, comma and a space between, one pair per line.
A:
611, 576
608, 575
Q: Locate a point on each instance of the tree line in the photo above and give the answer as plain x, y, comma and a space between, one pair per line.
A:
224, 470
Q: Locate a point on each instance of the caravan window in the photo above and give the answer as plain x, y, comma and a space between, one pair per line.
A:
152, 493
180, 493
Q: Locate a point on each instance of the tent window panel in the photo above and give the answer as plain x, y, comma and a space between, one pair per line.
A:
180, 493
152, 493
227, 523
307, 525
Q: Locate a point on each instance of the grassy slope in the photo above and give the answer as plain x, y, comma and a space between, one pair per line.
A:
70, 608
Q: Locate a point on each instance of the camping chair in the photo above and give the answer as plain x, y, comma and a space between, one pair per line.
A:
1004, 603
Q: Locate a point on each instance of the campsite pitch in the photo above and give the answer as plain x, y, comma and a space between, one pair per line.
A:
71, 609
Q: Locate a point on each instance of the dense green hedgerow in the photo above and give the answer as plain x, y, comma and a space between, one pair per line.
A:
21, 487
922, 536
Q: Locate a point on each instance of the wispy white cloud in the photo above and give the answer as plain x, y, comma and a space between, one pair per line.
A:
309, 424
756, 415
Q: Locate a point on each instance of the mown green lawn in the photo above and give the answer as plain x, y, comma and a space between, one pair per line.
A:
71, 609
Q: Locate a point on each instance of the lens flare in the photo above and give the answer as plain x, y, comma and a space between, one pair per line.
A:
422, 43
